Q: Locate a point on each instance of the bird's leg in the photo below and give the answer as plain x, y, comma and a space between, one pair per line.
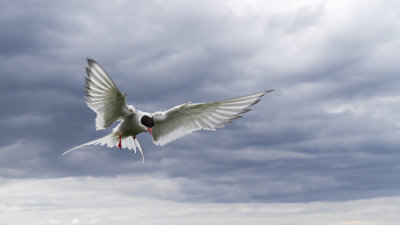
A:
119, 144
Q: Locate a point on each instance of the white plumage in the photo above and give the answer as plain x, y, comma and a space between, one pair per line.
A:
104, 98
186, 118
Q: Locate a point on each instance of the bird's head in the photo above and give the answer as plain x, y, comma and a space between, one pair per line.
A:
148, 122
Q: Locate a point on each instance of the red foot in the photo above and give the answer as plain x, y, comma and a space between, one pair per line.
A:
119, 144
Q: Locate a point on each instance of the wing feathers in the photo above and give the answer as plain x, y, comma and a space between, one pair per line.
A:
187, 118
103, 96
103, 75
98, 80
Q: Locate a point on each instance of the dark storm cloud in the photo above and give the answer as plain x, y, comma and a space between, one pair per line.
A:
327, 132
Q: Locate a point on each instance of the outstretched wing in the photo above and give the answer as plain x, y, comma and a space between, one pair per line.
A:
103, 96
187, 118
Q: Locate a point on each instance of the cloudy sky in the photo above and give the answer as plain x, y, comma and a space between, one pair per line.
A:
323, 148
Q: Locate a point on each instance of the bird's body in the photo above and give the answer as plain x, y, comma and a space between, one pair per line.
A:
131, 125
109, 103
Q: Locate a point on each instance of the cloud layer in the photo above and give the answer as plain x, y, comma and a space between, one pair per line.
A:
89, 200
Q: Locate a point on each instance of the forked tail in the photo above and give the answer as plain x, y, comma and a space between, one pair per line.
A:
112, 140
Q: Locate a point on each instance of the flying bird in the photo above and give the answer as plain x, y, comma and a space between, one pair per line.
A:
107, 101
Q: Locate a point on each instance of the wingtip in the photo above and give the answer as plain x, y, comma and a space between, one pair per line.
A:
267, 91
90, 61
88, 71
87, 81
262, 93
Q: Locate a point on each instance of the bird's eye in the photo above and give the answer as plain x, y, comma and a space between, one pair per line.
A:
147, 121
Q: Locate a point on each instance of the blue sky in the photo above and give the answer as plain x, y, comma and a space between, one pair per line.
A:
323, 148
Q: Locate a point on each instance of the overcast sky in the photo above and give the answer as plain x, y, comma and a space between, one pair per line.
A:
323, 148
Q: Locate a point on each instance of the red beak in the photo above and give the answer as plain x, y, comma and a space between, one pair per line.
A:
149, 129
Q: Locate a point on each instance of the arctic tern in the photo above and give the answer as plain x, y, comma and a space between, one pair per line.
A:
104, 98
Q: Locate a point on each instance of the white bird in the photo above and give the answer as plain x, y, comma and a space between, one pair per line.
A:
109, 103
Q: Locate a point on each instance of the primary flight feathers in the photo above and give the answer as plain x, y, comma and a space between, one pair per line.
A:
104, 98
186, 118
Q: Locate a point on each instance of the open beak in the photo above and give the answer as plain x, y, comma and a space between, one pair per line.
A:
149, 129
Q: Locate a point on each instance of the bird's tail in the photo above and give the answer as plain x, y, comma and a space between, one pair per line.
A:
112, 140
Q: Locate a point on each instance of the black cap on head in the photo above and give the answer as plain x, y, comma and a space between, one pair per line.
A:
147, 121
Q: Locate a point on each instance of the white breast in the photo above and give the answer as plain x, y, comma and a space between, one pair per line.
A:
131, 126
